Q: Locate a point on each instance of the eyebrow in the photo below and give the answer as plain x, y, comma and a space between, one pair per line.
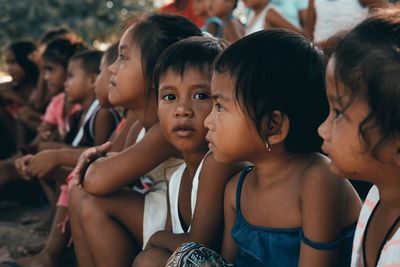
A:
336, 98
122, 47
169, 86
221, 97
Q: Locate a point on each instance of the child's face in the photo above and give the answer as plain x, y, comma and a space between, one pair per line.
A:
78, 83
340, 131
13, 68
200, 7
127, 82
232, 135
219, 8
101, 84
183, 104
54, 75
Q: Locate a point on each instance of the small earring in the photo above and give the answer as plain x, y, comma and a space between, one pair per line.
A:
268, 145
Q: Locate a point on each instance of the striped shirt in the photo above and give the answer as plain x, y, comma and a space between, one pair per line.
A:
390, 255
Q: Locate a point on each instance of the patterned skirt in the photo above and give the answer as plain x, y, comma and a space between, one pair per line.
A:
196, 255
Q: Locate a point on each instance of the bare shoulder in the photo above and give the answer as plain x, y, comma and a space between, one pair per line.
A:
230, 190
318, 180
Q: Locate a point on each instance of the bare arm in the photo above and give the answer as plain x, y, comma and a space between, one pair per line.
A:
109, 175
229, 247
233, 30
118, 141
323, 208
308, 18
103, 127
274, 19
207, 221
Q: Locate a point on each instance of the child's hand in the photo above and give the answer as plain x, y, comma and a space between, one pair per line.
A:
21, 164
45, 136
42, 163
86, 158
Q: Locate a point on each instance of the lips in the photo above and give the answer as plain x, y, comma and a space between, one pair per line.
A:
113, 83
183, 130
210, 142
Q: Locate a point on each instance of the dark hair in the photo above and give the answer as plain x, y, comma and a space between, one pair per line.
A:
367, 61
90, 60
111, 54
61, 50
194, 52
278, 70
53, 34
155, 33
21, 51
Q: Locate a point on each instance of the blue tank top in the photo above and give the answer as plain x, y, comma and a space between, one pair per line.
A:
278, 247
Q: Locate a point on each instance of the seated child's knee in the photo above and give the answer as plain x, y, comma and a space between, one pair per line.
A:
146, 258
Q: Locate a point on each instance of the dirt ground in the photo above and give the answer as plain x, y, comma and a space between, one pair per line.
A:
22, 209
17, 221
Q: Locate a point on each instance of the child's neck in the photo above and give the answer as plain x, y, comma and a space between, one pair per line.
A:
147, 114
273, 166
192, 161
389, 190
85, 104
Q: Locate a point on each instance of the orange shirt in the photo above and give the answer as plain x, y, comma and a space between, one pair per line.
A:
187, 12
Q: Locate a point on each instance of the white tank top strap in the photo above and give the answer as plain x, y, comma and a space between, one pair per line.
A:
173, 192
173, 188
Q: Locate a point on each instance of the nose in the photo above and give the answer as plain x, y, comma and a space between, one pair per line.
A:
208, 121
184, 109
112, 68
323, 130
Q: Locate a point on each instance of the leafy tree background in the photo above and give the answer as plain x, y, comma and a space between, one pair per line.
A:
93, 20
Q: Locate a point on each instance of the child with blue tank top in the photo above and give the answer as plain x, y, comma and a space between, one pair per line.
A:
287, 209
196, 188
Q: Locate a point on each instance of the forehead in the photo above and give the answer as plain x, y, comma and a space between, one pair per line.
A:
126, 39
75, 64
333, 85
222, 83
189, 73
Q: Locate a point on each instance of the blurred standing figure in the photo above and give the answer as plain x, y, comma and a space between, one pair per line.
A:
336, 15
183, 8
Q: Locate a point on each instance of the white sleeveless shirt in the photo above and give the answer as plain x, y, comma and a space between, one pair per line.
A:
173, 187
256, 23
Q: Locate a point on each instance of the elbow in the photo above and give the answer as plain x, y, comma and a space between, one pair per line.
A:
94, 183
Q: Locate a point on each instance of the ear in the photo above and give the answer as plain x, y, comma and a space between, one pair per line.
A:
278, 128
92, 80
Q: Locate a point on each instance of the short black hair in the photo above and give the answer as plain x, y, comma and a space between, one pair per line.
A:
278, 70
155, 33
90, 60
367, 62
21, 51
53, 34
61, 50
194, 52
